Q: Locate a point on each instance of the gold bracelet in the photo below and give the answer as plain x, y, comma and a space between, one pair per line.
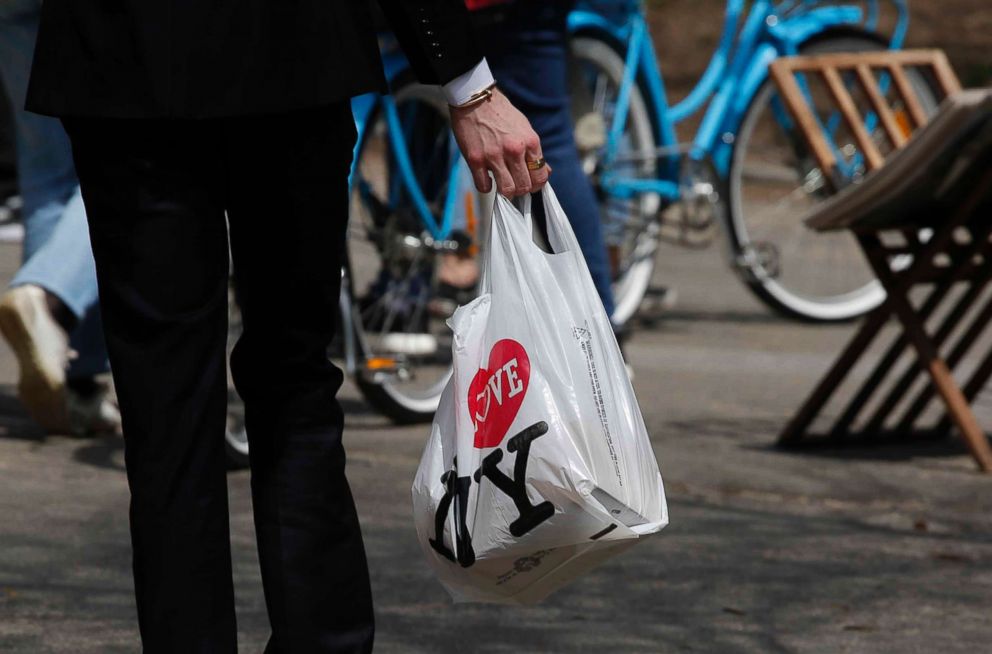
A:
477, 98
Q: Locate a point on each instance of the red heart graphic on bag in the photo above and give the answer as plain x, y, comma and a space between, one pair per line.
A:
497, 391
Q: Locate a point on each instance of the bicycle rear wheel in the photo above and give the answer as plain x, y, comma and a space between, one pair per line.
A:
631, 225
774, 181
399, 301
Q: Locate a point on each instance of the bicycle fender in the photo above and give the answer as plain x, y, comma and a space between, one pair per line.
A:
580, 21
793, 32
754, 76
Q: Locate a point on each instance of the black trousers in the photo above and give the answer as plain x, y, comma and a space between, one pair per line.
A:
157, 192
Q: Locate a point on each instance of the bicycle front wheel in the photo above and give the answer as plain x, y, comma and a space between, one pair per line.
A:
403, 283
630, 225
774, 181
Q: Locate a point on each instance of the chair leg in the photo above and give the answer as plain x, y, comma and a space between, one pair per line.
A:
898, 391
797, 427
888, 360
972, 388
957, 354
960, 412
943, 380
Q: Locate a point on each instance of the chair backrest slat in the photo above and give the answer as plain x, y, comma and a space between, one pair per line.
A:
853, 117
893, 129
803, 114
835, 70
948, 80
908, 94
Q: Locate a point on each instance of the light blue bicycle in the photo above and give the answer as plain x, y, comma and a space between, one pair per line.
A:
746, 165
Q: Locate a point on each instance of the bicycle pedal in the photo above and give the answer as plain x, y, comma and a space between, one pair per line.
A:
760, 260
680, 228
664, 294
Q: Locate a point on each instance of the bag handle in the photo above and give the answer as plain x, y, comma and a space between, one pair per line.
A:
511, 233
516, 222
559, 228
508, 220
561, 237
524, 204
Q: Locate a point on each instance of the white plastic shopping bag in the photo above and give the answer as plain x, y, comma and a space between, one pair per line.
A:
539, 465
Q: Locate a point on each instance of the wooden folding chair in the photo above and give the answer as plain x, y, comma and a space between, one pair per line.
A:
923, 217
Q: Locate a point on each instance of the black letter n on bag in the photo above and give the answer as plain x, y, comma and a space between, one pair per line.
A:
455, 489
530, 516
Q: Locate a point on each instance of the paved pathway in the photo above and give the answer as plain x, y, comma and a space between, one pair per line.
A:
859, 550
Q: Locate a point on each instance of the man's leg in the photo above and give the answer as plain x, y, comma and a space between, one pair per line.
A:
153, 193
288, 207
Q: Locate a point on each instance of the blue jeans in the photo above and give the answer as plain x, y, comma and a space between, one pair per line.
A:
57, 254
527, 50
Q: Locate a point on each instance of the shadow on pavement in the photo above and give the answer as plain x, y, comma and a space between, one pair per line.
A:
885, 446
15, 422
762, 436
732, 317
105, 452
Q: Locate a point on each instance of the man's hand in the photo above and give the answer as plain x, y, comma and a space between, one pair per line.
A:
494, 136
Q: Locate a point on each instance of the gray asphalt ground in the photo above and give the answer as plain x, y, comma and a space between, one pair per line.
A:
860, 549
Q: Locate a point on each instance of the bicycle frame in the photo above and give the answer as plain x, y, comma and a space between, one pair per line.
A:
365, 109
751, 39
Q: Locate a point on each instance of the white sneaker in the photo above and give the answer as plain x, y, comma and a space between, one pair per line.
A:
12, 232
42, 350
94, 414
410, 344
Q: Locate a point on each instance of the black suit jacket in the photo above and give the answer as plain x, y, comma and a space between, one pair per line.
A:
212, 58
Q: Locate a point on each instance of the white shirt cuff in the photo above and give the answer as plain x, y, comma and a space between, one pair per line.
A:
462, 88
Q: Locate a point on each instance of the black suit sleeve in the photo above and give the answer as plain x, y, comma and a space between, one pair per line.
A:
435, 35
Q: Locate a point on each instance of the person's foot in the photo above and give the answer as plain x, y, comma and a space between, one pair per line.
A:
41, 346
92, 412
458, 271
458, 277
